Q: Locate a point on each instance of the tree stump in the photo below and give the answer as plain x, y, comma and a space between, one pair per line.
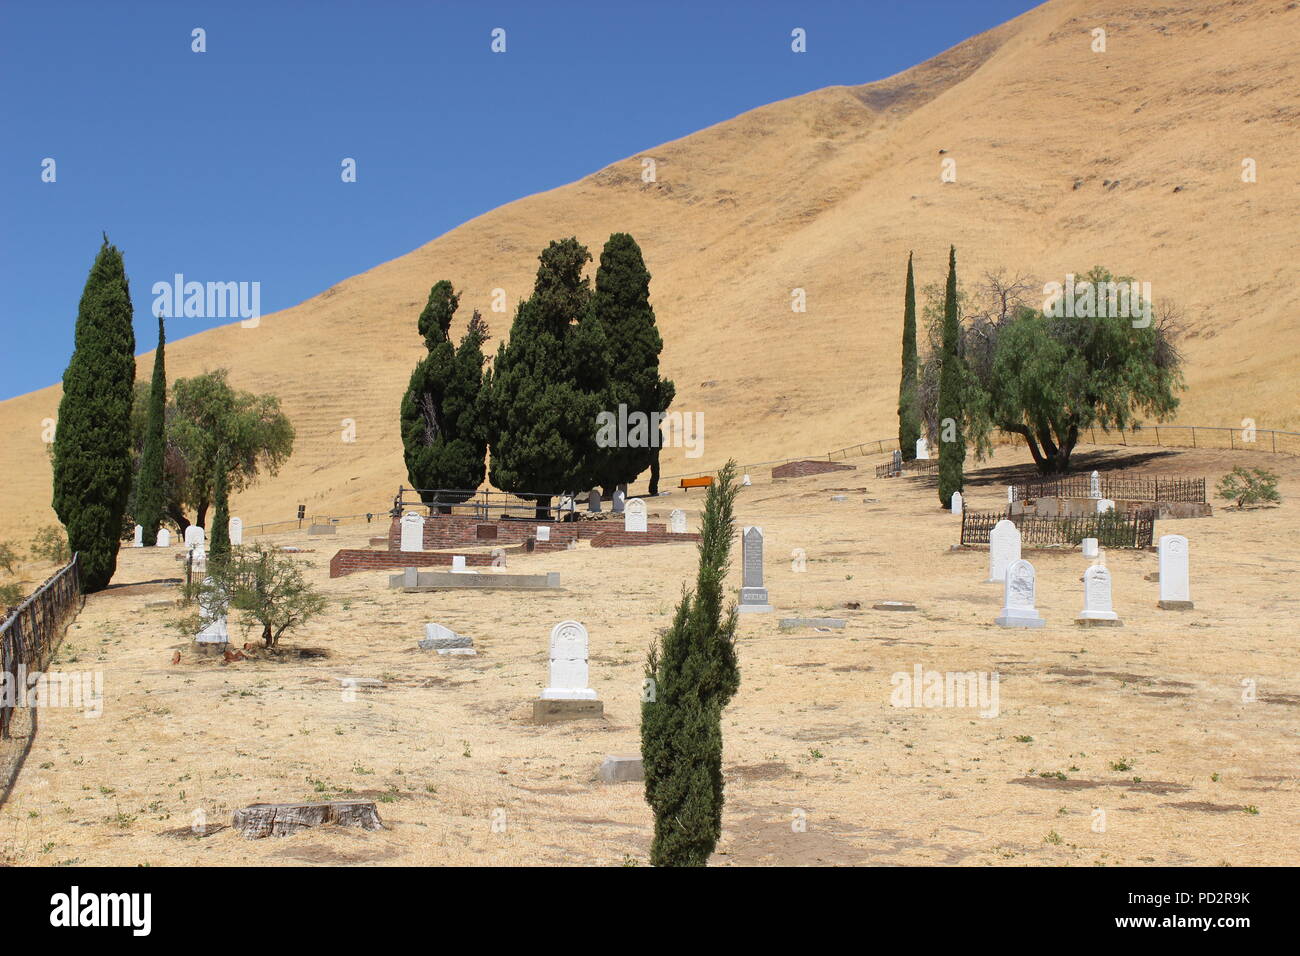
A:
281, 819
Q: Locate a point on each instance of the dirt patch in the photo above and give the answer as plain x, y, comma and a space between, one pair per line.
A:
1160, 787
1201, 806
761, 771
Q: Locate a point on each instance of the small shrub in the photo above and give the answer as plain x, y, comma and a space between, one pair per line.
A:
265, 587
8, 557
1249, 487
51, 544
11, 595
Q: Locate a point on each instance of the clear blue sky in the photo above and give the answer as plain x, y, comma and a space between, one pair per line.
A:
224, 165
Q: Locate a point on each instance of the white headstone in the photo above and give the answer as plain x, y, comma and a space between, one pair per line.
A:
236, 532
1018, 597
617, 503
412, 532
922, 449
568, 677
566, 505
1004, 547
1104, 505
1097, 602
956, 502
1175, 583
634, 515
677, 521
543, 532
214, 629
194, 535
164, 538
1094, 485
1011, 494
594, 500
199, 558
753, 595
745, 481
1090, 547
458, 564
138, 540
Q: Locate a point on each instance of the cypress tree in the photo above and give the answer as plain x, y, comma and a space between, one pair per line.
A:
219, 539
92, 442
909, 409
691, 676
952, 445
150, 494
542, 416
621, 302
444, 436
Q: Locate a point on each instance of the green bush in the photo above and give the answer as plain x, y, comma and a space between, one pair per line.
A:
1249, 487
265, 587
51, 544
11, 595
8, 557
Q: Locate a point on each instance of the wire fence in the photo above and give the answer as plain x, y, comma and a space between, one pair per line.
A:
1116, 489
1112, 529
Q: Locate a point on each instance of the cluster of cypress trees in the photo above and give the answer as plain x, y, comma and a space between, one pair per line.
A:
574, 351
952, 444
92, 441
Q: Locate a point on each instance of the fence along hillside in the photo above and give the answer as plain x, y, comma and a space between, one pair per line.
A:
31, 632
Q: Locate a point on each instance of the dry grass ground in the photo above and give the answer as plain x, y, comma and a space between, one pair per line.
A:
446, 748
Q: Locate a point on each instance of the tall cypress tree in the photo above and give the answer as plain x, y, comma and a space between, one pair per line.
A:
92, 442
621, 302
150, 494
952, 445
219, 539
909, 409
444, 435
542, 416
692, 675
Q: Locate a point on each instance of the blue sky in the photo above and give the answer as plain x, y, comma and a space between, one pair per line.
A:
225, 165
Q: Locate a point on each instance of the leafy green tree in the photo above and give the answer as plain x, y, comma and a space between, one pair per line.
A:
621, 303
952, 444
909, 413
542, 418
92, 453
691, 676
150, 484
1049, 379
210, 418
1249, 486
444, 431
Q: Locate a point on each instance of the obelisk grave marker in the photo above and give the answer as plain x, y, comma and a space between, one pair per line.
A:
753, 596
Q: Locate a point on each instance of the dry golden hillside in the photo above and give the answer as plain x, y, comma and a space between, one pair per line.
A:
828, 192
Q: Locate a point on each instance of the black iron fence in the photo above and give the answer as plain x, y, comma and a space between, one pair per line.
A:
30, 633
1112, 529
483, 504
1117, 489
